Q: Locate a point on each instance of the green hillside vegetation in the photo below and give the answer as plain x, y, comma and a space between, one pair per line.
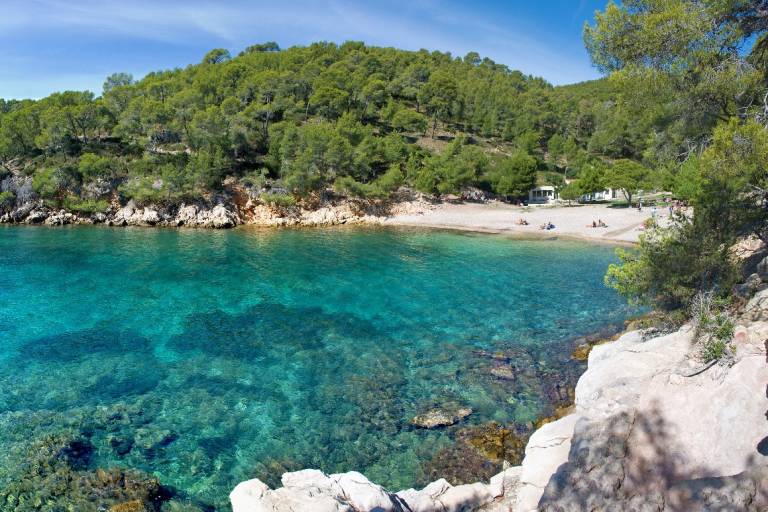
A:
356, 119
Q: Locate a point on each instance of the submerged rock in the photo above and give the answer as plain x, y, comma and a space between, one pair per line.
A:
129, 506
56, 471
503, 372
439, 417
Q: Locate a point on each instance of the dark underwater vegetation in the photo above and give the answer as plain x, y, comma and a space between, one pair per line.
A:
188, 361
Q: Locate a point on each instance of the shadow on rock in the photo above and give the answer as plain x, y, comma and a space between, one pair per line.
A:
605, 471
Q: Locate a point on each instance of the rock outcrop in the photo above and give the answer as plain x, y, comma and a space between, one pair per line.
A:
313, 491
652, 429
220, 215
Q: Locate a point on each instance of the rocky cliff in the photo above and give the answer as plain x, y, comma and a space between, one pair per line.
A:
233, 206
652, 429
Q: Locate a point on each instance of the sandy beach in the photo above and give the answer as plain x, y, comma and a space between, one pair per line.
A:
624, 225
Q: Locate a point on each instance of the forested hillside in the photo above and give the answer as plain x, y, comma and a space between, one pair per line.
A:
356, 119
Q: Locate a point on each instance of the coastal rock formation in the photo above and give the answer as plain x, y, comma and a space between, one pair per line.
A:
221, 215
313, 491
649, 428
652, 429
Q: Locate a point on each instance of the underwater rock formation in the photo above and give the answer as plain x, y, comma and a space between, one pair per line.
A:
645, 433
441, 417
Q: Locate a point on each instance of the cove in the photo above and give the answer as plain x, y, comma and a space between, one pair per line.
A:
210, 357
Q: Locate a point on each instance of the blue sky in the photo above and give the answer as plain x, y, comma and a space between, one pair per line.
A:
50, 45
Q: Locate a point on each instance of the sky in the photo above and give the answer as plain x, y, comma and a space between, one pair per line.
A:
54, 45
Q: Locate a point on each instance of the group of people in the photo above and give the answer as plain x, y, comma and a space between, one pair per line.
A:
547, 226
598, 224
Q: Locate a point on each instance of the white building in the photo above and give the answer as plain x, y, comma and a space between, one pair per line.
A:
605, 195
542, 195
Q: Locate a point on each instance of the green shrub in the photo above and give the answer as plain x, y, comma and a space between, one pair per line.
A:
713, 350
86, 206
713, 328
380, 188
256, 179
93, 166
673, 264
52, 184
7, 199
278, 200
144, 190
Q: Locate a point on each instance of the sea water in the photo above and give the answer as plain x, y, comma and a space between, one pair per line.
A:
206, 358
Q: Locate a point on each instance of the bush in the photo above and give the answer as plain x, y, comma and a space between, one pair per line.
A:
85, 206
515, 175
278, 200
144, 190
93, 166
6, 199
672, 265
713, 328
255, 179
52, 184
380, 188
570, 192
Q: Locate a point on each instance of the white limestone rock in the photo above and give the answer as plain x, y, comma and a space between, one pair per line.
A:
150, 216
186, 216
313, 491
546, 450
757, 307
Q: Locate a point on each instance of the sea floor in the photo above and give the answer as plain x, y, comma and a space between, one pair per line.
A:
204, 358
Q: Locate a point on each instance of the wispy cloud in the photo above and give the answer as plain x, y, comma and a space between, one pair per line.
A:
199, 24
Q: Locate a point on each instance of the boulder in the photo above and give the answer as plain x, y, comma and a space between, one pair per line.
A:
313, 491
648, 425
757, 307
36, 217
20, 213
503, 372
762, 269
150, 216
186, 216
441, 417
127, 215
221, 218
60, 218
752, 284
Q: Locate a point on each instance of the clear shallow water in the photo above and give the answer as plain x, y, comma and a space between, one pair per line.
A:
209, 357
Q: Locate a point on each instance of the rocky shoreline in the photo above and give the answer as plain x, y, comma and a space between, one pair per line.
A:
197, 215
646, 433
232, 207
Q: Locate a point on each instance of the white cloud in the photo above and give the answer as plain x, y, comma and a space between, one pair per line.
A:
410, 24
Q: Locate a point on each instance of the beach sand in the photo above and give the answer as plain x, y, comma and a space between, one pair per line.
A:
624, 224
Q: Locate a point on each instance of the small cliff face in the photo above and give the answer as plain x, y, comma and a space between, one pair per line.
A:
649, 431
232, 206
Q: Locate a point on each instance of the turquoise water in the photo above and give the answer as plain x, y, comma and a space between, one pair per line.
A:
210, 357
